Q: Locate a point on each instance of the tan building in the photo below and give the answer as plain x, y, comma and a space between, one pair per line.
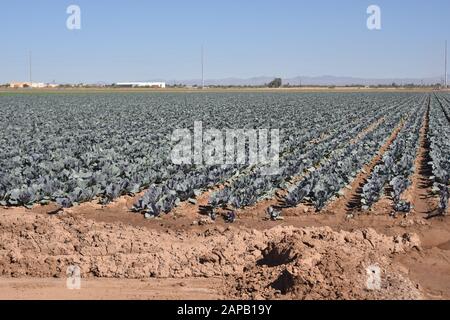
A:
19, 85
37, 85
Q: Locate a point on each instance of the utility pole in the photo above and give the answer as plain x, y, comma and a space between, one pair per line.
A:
445, 75
31, 75
203, 75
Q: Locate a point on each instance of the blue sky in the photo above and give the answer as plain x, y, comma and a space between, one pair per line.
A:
142, 40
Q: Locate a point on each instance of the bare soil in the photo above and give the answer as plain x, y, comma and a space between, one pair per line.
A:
147, 259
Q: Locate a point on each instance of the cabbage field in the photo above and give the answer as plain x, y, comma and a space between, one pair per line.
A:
74, 148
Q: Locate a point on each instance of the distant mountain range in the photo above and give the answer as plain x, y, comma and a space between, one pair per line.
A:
322, 81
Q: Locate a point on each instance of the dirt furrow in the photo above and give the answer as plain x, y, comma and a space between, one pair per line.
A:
419, 193
201, 206
442, 107
350, 200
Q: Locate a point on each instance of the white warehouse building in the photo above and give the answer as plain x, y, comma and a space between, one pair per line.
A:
141, 84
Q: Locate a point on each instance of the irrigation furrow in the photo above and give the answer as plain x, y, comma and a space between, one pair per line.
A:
420, 194
392, 176
444, 110
323, 184
201, 200
351, 198
342, 202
